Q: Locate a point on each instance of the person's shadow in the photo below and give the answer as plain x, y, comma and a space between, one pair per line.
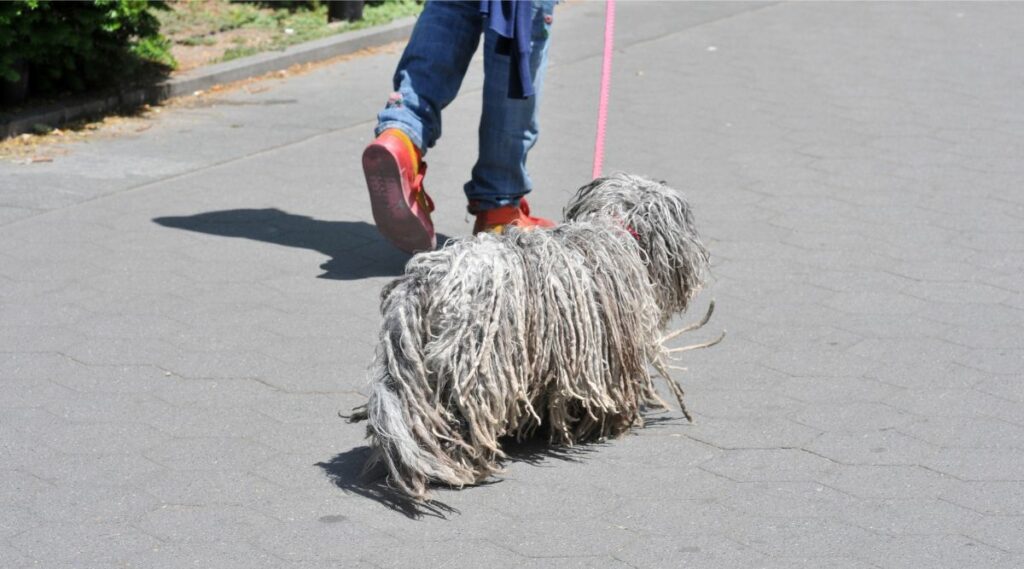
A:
356, 248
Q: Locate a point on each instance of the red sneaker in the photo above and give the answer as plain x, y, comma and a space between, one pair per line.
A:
495, 220
401, 207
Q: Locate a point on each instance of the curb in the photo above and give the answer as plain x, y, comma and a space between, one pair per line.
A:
203, 78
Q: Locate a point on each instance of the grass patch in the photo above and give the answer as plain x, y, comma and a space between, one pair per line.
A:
220, 30
240, 51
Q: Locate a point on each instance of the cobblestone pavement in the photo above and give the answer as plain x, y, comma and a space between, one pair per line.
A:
184, 311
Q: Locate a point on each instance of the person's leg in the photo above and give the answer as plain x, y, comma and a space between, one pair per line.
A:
508, 127
431, 70
427, 79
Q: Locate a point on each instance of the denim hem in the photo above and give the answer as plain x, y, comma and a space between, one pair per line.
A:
414, 136
483, 202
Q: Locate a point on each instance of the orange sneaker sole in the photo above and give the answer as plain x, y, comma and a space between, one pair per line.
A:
398, 215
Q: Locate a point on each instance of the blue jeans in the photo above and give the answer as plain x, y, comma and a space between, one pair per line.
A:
429, 76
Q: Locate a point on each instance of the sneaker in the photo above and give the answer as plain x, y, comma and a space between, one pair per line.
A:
495, 220
401, 207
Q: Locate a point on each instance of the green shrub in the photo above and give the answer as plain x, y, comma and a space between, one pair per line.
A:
74, 46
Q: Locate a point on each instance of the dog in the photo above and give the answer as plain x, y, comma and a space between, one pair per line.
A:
507, 335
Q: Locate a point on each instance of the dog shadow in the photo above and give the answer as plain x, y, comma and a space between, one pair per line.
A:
346, 471
356, 249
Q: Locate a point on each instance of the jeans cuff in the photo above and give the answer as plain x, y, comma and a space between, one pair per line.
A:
477, 204
413, 136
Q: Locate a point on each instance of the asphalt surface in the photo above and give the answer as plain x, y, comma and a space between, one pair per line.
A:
184, 311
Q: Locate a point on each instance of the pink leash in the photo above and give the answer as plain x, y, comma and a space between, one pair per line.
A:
606, 83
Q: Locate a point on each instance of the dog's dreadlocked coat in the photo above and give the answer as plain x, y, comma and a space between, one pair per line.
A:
499, 335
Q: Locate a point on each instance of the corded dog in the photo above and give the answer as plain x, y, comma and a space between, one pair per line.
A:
539, 330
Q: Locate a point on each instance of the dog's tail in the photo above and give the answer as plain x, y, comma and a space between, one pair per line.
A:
409, 429
400, 416
449, 369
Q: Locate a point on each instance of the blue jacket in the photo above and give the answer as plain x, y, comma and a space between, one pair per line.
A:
512, 21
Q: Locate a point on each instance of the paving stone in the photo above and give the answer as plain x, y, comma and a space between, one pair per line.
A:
998, 362
115, 378
9, 556
999, 532
200, 525
736, 377
770, 465
306, 407
935, 551
73, 470
812, 562
891, 481
884, 446
973, 432
208, 453
990, 498
23, 453
554, 538
633, 482
456, 553
91, 543
305, 437
834, 390
977, 464
958, 403
228, 555
995, 337
31, 337
572, 562
853, 417
314, 540
733, 404
1006, 387
103, 438
19, 486
819, 364
927, 375
33, 393
669, 440
213, 393
17, 519
911, 517
107, 407
752, 432
821, 538
88, 503
687, 550
36, 365
195, 422
210, 487
790, 499
292, 470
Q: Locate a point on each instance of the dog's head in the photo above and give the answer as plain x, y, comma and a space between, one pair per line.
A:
662, 223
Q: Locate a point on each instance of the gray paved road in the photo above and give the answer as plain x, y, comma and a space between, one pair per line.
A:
182, 312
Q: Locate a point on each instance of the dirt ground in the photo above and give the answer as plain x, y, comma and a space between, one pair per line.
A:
208, 31
192, 56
